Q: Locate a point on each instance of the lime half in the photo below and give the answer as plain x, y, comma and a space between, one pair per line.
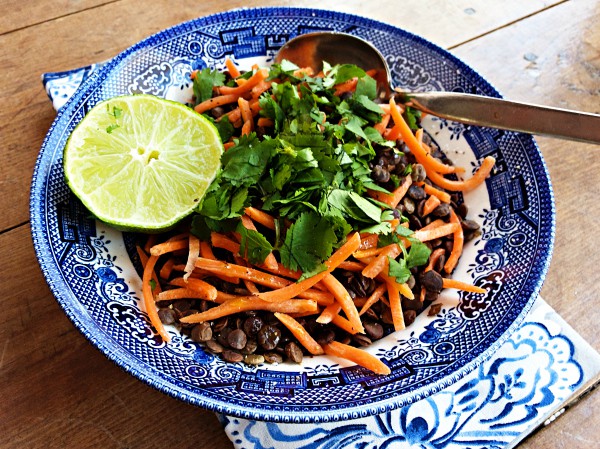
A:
139, 162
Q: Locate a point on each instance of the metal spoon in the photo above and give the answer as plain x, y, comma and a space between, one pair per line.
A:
310, 50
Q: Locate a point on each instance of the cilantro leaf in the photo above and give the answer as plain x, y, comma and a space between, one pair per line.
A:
418, 254
204, 82
253, 245
399, 270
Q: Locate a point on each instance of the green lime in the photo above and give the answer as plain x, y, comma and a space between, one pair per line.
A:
140, 162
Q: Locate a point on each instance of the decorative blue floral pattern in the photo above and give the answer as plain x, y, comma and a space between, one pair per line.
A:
527, 380
98, 286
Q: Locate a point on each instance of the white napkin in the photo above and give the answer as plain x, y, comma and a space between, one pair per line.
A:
542, 369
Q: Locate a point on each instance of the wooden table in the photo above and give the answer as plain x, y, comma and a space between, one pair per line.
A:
56, 390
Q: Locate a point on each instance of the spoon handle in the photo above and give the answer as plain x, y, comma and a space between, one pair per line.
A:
510, 115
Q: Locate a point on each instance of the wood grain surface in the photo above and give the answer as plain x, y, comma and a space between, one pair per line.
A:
57, 391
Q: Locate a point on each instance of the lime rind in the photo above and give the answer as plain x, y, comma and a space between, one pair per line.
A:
142, 163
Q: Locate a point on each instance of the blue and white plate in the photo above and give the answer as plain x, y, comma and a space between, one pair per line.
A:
95, 275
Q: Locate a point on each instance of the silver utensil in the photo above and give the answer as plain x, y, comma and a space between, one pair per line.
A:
310, 50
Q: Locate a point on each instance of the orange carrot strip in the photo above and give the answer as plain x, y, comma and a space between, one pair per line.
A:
381, 261
468, 184
434, 224
228, 145
433, 258
452, 283
375, 296
260, 88
393, 199
150, 242
144, 261
208, 290
256, 78
364, 253
395, 306
168, 247
231, 68
181, 293
356, 355
207, 253
382, 125
404, 289
265, 122
167, 269
430, 204
444, 197
352, 266
300, 333
261, 217
246, 112
221, 241
213, 102
351, 244
343, 297
430, 163
328, 313
245, 303
346, 86
457, 245
344, 324
194, 252
436, 233
368, 241
149, 304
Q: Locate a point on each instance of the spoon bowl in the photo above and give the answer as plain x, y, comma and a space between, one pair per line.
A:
312, 49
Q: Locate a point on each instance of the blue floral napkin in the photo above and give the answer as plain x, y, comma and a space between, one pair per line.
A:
542, 369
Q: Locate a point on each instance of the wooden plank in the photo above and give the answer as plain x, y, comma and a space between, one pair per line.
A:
100, 33
59, 391
18, 14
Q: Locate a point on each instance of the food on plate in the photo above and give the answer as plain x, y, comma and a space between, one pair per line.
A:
332, 221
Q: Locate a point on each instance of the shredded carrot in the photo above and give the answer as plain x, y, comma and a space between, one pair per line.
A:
381, 261
356, 355
221, 241
167, 269
265, 122
149, 304
246, 303
457, 244
393, 199
231, 68
452, 283
181, 293
344, 324
352, 243
144, 260
246, 116
328, 313
256, 78
261, 217
368, 241
300, 333
395, 306
444, 197
375, 296
473, 182
198, 285
213, 102
430, 163
345, 300
433, 258
430, 204
228, 145
168, 247
382, 125
436, 233
349, 265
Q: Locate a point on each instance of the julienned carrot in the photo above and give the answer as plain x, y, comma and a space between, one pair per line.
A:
265, 122
293, 290
382, 125
434, 224
375, 296
356, 355
350, 265
193, 253
328, 313
366, 253
149, 304
231, 68
457, 245
213, 102
395, 306
168, 247
344, 324
434, 257
261, 217
228, 145
181, 293
246, 116
208, 290
436, 233
221, 241
368, 241
256, 78
403, 288
430, 163
381, 261
167, 269
345, 300
468, 184
207, 252
430, 204
246, 303
144, 260
393, 199
444, 197
300, 333
453, 283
